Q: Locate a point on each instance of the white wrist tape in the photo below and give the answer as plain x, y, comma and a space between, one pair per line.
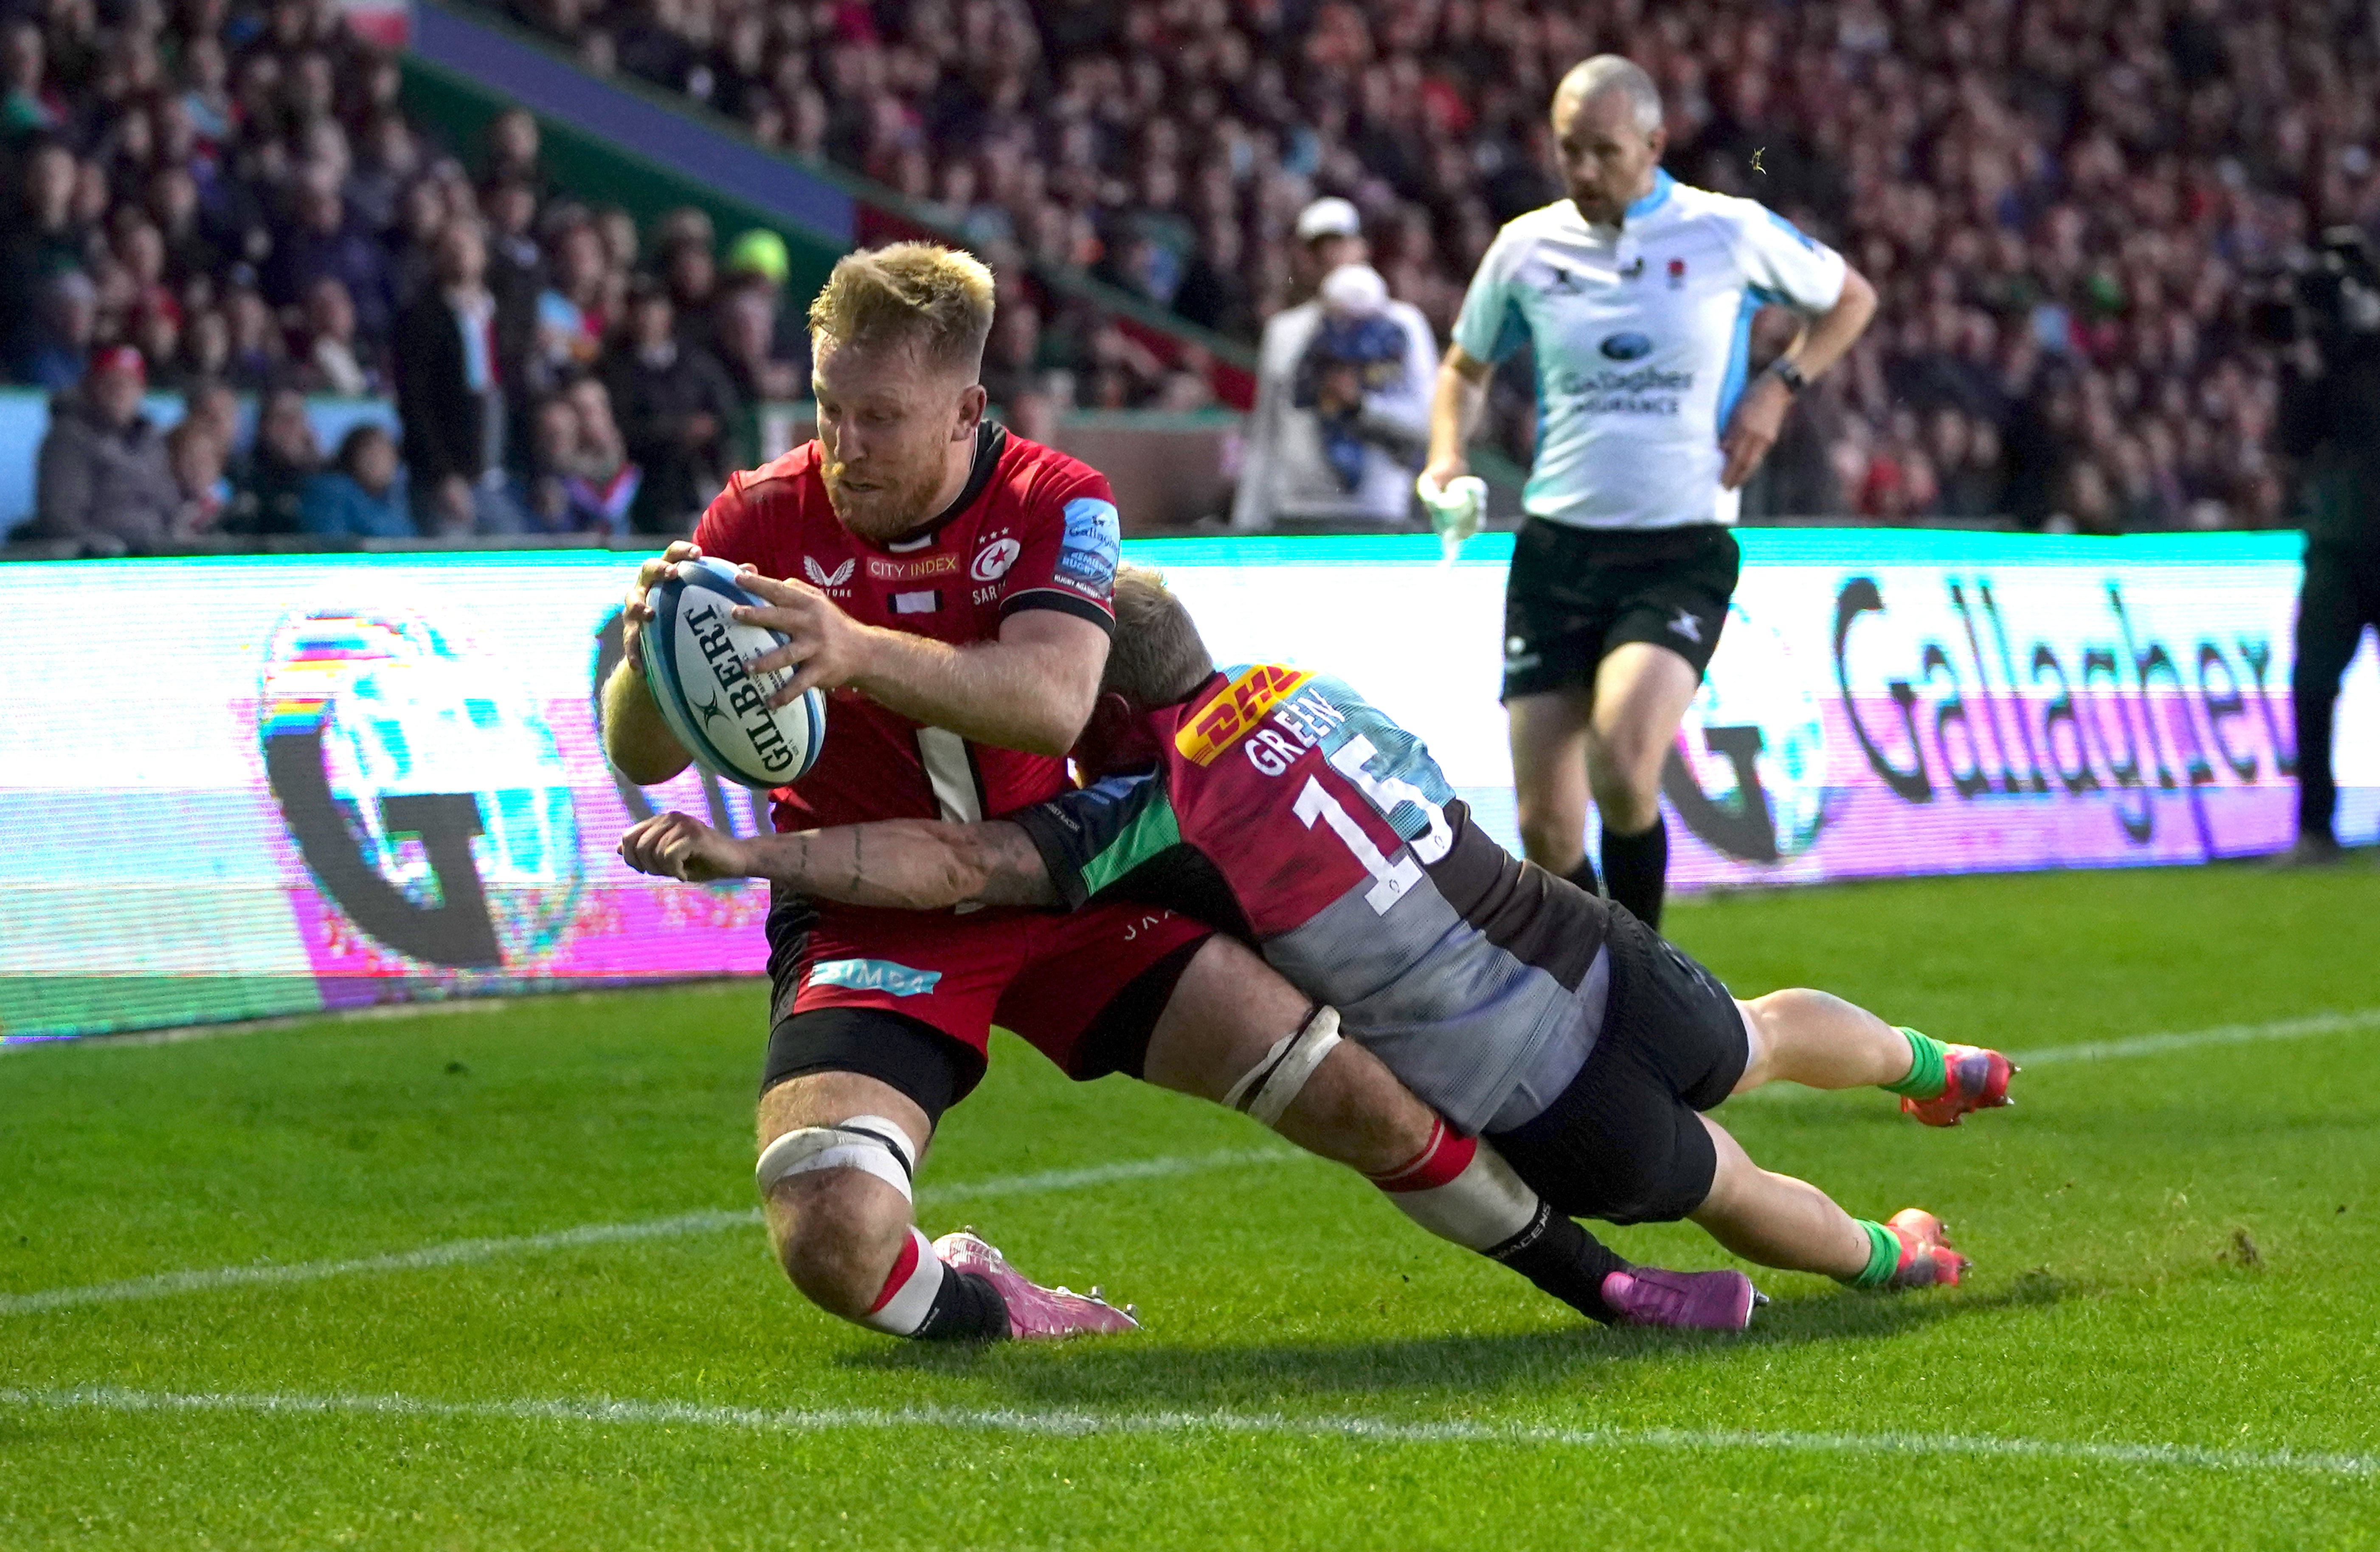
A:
1266, 1090
867, 1143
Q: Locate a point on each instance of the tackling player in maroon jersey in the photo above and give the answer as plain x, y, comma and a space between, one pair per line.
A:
948, 585
1287, 810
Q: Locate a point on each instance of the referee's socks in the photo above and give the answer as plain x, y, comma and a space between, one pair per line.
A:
1637, 867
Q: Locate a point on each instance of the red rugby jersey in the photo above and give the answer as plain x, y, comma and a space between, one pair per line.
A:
1033, 529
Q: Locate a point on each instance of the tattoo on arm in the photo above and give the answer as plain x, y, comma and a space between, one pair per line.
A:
1012, 871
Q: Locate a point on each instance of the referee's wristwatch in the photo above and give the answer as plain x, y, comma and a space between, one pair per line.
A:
1786, 373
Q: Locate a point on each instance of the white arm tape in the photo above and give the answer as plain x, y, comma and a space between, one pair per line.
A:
867, 1143
1266, 1090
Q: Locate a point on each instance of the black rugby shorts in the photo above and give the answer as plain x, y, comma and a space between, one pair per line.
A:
1574, 594
1624, 1142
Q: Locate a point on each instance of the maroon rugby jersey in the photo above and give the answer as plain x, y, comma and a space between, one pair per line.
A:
1289, 809
1033, 529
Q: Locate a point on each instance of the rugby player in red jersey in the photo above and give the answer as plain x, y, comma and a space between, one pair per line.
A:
948, 585
1285, 808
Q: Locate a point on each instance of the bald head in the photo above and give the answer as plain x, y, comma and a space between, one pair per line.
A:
1590, 79
1607, 123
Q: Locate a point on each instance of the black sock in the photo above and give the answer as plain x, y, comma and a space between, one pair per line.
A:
1564, 1260
1583, 876
966, 1308
1637, 865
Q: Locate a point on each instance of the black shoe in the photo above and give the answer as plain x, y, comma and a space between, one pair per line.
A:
2308, 851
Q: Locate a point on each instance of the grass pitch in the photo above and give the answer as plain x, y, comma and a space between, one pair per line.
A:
487, 1278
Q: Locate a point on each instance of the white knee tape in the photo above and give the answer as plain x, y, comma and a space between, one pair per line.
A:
867, 1143
1266, 1090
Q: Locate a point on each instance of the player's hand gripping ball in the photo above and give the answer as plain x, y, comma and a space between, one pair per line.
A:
694, 656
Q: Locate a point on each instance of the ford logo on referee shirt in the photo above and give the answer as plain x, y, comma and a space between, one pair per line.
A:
1626, 347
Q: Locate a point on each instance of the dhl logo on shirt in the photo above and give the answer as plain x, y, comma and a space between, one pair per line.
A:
1236, 712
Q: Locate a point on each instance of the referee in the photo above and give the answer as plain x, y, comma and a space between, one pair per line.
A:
1636, 294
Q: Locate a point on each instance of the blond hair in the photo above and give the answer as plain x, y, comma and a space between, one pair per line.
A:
1157, 658
934, 299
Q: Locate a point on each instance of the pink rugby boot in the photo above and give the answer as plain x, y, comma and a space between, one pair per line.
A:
1926, 1257
1035, 1312
1683, 1301
1975, 1078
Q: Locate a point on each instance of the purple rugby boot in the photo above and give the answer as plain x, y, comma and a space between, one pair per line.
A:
1683, 1301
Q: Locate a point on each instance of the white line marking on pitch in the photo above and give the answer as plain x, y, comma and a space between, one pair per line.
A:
2221, 1035
2304, 1028
1078, 1424
459, 1251
456, 1252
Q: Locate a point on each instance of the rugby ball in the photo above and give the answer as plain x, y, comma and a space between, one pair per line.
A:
694, 665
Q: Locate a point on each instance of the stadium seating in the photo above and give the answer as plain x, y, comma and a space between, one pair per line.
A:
237, 192
2061, 202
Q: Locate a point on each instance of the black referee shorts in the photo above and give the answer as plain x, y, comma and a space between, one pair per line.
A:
1574, 594
1624, 1142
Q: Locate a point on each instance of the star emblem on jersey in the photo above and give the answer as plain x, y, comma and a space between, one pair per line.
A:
992, 561
1677, 274
820, 575
1686, 625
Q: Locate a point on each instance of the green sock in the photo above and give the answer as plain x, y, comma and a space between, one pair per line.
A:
1926, 1078
1882, 1255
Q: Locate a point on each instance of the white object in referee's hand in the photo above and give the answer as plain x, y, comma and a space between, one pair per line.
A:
1456, 512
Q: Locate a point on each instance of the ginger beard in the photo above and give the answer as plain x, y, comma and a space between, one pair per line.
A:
892, 428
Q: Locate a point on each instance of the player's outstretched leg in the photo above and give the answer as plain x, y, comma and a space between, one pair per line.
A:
1236, 1033
1820, 1041
1780, 1221
838, 1151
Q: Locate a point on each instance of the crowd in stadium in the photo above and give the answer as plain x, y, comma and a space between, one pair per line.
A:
2061, 203
215, 202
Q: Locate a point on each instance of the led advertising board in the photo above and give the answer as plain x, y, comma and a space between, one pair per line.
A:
296, 784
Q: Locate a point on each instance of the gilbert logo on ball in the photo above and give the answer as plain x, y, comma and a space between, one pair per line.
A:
695, 653
1748, 774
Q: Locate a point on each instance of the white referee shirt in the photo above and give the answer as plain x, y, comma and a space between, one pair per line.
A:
1640, 333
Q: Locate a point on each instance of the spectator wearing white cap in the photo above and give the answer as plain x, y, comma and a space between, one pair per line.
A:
1329, 233
1344, 382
